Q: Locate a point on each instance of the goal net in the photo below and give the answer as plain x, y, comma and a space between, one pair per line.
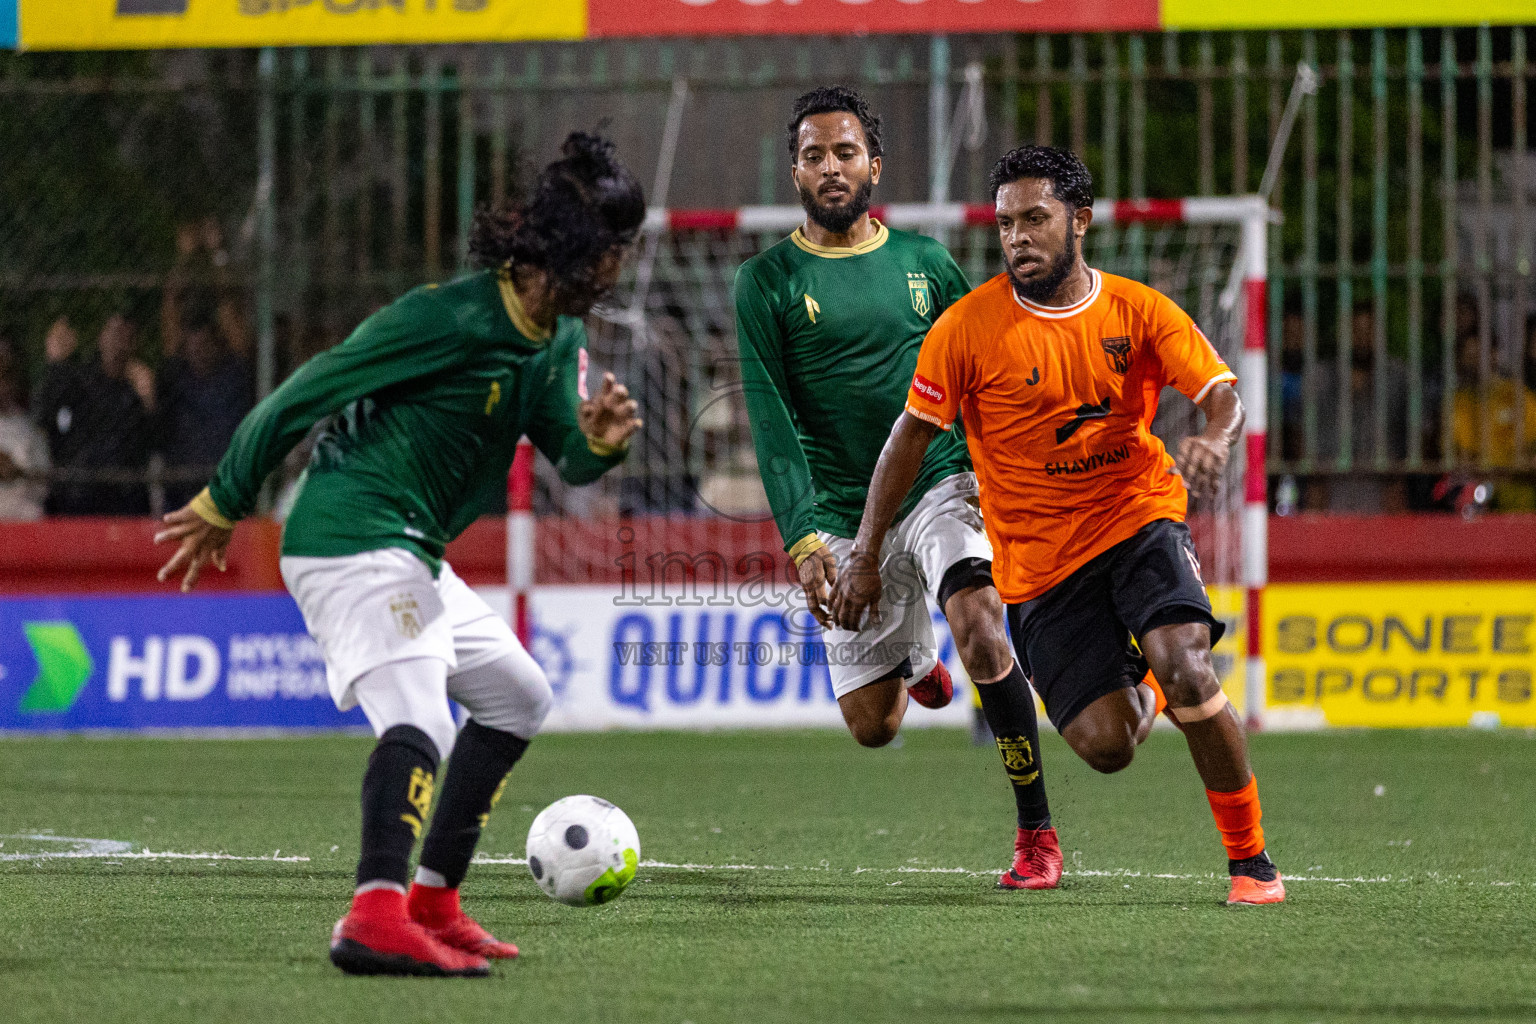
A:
688, 504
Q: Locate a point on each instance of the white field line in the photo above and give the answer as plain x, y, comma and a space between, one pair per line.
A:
118, 850
1073, 872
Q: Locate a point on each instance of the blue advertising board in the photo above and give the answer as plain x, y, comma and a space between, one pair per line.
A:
8, 24
172, 662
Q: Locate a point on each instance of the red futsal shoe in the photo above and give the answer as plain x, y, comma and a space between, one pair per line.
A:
934, 690
377, 937
437, 910
1036, 861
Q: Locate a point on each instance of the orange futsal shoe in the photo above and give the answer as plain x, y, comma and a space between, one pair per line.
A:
934, 690
1255, 881
1252, 892
1036, 861
437, 910
376, 937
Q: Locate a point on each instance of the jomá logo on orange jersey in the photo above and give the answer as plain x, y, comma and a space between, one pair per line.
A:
927, 388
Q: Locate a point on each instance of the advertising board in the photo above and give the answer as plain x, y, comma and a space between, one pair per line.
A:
614, 659
1401, 654
157, 24
162, 662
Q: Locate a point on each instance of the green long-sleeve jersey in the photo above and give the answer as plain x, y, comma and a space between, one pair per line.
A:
426, 399
829, 340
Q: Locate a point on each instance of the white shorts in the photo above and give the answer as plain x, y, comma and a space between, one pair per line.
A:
944, 528
381, 607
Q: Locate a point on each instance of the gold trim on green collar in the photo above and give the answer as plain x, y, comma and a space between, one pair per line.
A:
208, 511
805, 547
515, 311
836, 252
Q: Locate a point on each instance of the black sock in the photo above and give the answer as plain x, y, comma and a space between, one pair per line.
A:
1010, 711
397, 791
1258, 867
477, 772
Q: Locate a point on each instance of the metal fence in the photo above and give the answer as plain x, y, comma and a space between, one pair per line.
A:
309, 186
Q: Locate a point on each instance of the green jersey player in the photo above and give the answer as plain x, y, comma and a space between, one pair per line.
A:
829, 323
423, 406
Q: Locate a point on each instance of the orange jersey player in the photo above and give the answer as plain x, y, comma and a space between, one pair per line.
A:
1055, 369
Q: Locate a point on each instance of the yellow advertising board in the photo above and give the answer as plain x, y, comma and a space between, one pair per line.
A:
1238, 14
1401, 654
157, 24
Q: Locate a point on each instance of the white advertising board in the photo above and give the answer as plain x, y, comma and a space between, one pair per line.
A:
618, 660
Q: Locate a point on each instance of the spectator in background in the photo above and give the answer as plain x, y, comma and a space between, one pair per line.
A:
1361, 489
204, 386
1530, 351
23, 448
1292, 384
1503, 410
96, 415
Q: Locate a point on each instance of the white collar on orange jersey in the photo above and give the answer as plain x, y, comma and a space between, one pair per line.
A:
1061, 312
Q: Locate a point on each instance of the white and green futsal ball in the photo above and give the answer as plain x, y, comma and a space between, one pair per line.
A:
583, 851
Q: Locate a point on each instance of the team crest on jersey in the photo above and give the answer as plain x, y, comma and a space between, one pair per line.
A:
917, 288
1118, 352
407, 615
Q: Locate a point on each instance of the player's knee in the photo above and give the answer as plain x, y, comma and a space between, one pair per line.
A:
976, 620
1110, 755
1188, 679
521, 705
985, 656
442, 729
874, 732
541, 700
1106, 747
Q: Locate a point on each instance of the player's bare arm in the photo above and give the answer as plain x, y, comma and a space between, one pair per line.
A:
1203, 458
858, 590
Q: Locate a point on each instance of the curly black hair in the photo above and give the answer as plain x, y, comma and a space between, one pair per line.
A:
830, 99
583, 205
1070, 180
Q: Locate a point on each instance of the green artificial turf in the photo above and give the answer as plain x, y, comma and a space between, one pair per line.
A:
1425, 839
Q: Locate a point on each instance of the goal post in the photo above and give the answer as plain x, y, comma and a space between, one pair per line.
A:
1208, 253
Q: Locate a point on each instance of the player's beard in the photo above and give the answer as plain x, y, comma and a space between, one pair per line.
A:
838, 219
1041, 289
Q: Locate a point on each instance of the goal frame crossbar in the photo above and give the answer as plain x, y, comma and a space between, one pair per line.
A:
1250, 214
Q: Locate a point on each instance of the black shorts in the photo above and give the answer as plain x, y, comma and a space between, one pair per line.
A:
1075, 641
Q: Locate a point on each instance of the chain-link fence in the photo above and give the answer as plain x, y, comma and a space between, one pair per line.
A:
276, 198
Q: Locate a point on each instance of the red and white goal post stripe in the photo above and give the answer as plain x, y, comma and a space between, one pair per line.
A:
1249, 213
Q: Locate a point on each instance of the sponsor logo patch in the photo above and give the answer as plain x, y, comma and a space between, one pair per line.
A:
927, 388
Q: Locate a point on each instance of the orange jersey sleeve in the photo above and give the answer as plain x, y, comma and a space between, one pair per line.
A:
1189, 360
943, 374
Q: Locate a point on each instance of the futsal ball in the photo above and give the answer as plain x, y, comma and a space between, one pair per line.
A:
583, 851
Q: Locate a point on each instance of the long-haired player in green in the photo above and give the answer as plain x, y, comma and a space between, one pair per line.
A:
423, 407
829, 323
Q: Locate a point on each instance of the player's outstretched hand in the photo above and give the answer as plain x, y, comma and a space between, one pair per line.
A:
857, 591
610, 417
1201, 463
201, 543
818, 571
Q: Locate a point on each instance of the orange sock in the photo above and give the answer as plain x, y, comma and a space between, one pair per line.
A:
1162, 701
1237, 819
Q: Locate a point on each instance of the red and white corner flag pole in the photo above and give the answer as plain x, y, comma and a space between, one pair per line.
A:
1255, 392
520, 539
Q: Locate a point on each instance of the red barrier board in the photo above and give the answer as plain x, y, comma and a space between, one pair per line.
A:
838, 17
